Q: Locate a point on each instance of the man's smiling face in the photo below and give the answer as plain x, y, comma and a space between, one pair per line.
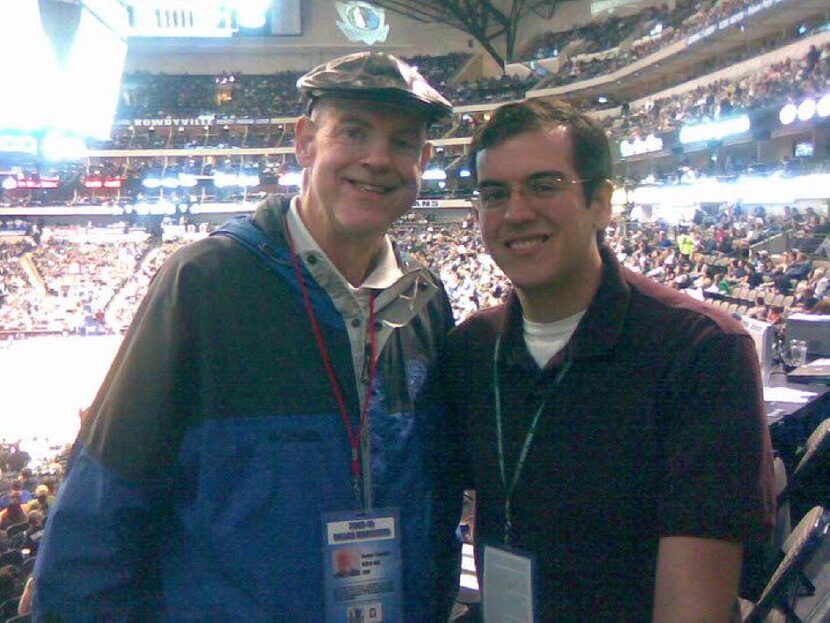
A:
543, 235
363, 164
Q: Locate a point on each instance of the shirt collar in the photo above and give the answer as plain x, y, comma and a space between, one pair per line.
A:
598, 331
385, 270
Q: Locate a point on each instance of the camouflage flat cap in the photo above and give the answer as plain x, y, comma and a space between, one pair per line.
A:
375, 76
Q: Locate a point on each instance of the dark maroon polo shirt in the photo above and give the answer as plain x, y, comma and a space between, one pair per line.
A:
656, 429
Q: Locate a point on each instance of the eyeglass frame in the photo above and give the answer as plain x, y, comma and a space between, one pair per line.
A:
525, 188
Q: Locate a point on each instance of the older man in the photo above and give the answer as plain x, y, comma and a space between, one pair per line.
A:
612, 428
259, 414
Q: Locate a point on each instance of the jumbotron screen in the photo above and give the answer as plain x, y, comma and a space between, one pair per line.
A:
214, 18
62, 66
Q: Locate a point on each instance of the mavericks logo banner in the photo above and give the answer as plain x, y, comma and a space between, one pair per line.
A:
362, 22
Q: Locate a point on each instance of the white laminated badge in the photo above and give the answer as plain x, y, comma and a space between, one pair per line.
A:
508, 591
362, 566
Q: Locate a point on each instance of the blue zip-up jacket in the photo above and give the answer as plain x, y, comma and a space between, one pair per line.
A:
197, 482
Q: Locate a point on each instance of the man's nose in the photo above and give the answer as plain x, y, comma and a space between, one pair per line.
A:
378, 154
518, 206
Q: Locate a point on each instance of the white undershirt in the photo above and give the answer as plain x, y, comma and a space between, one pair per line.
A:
545, 339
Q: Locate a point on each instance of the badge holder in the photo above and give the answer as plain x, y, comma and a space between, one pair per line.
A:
362, 566
508, 591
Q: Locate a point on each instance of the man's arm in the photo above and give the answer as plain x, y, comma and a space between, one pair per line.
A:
718, 484
97, 559
445, 466
696, 580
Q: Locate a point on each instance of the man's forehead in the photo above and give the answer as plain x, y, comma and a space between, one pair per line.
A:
338, 109
559, 159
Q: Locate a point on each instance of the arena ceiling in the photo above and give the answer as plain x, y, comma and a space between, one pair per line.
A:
493, 23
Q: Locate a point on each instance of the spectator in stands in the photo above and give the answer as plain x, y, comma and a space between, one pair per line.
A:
821, 282
282, 354
42, 499
686, 244
775, 315
805, 300
13, 514
783, 284
758, 311
27, 481
651, 404
17, 486
800, 267
8, 583
34, 533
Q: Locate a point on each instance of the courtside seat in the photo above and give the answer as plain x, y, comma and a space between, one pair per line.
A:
810, 481
788, 578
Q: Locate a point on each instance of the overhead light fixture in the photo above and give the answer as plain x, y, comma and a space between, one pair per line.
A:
807, 109
712, 131
435, 174
187, 180
788, 114
292, 178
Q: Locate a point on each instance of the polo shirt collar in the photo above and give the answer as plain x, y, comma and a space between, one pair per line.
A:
384, 272
598, 331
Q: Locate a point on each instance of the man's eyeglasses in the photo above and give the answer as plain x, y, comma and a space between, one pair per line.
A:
495, 196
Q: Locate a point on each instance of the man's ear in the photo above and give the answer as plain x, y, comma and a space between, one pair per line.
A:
426, 154
305, 144
601, 204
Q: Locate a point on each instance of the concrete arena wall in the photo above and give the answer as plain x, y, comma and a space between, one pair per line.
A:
321, 40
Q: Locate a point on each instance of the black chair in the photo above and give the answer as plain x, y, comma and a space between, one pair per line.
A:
810, 481
783, 519
27, 566
11, 557
760, 560
17, 528
16, 541
8, 608
789, 576
820, 612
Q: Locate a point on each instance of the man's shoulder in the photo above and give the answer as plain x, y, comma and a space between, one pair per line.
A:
665, 309
209, 256
483, 323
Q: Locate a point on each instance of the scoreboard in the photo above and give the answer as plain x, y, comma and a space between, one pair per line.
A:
214, 18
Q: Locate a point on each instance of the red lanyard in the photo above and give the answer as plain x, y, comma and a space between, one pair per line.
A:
354, 436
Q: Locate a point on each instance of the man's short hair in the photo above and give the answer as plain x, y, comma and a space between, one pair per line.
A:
590, 148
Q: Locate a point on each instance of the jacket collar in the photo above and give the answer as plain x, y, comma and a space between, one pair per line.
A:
395, 305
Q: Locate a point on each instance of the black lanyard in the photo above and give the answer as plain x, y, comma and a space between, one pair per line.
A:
520, 462
358, 436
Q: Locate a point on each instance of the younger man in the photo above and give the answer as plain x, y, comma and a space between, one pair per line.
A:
612, 428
